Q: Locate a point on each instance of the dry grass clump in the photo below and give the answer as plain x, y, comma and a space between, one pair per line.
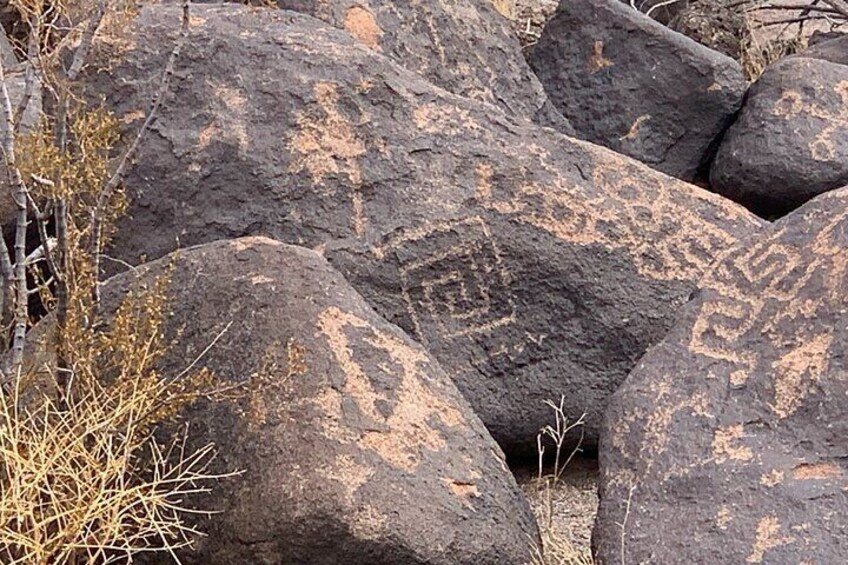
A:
88, 471
565, 511
563, 495
82, 477
761, 47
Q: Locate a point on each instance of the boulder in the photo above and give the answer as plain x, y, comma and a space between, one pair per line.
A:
631, 84
354, 444
466, 47
530, 264
833, 48
729, 442
790, 141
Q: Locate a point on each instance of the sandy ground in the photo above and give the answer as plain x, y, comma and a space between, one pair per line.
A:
565, 511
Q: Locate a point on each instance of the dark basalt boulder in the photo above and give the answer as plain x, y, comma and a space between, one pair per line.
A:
465, 47
729, 441
790, 141
529, 264
355, 445
629, 83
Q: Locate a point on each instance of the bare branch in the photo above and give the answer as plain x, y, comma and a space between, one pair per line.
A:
29, 86
18, 278
117, 178
81, 54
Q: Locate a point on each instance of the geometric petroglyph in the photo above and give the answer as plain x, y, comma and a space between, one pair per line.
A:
777, 290
652, 222
454, 282
825, 146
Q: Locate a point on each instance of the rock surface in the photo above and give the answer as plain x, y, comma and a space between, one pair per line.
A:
530, 264
355, 446
630, 84
466, 47
790, 141
730, 438
7, 54
834, 50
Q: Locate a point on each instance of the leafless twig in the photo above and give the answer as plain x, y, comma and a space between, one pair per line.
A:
117, 178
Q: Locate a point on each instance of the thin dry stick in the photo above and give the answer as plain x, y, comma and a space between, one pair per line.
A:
117, 178
623, 524
29, 84
839, 5
20, 196
86, 41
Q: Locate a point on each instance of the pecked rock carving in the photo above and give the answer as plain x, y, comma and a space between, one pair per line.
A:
342, 417
729, 436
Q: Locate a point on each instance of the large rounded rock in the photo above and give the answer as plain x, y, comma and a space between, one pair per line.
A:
790, 141
465, 47
833, 49
530, 264
355, 446
631, 84
730, 438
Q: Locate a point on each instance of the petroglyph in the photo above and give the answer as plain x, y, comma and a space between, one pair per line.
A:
796, 372
597, 61
459, 286
633, 132
768, 537
761, 288
447, 120
723, 517
772, 478
727, 445
794, 104
327, 144
229, 118
665, 239
361, 24
400, 425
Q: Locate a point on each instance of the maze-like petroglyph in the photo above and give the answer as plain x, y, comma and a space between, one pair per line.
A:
649, 221
772, 288
777, 289
454, 283
794, 104
326, 144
